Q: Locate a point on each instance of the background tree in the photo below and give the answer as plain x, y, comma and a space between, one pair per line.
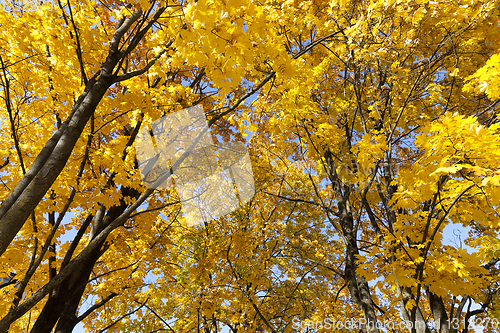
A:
375, 127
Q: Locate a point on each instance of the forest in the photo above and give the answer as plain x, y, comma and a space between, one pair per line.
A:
250, 166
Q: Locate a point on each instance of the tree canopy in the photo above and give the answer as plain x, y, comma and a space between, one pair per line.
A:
370, 127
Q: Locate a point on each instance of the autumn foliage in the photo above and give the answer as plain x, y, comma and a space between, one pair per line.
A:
371, 126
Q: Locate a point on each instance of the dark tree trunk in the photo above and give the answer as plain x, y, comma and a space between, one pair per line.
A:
62, 306
357, 285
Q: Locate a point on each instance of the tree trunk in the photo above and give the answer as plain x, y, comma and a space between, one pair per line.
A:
357, 285
62, 306
31, 189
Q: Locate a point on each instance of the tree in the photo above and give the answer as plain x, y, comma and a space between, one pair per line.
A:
373, 126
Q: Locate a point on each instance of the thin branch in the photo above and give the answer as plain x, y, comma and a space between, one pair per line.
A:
163, 320
95, 307
316, 42
145, 69
123, 316
78, 46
